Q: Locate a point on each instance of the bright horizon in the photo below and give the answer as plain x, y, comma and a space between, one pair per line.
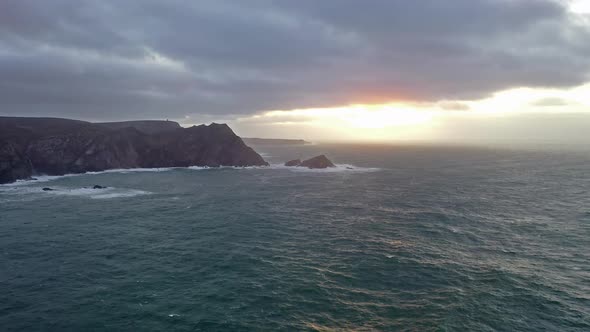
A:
464, 72
436, 121
433, 121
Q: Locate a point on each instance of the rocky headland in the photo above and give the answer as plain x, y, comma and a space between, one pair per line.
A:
52, 146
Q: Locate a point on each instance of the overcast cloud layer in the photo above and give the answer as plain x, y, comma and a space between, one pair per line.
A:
111, 59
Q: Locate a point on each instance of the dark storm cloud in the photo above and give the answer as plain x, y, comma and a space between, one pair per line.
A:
137, 59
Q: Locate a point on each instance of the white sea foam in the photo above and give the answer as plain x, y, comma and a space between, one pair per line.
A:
26, 193
128, 193
135, 170
340, 168
106, 193
37, 179
47, 178
200, 168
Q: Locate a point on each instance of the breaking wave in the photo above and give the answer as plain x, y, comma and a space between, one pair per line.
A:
27, 193
340, 168
98, 193
46, 178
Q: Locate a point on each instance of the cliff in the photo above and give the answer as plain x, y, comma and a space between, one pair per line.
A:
58, 146
145, 126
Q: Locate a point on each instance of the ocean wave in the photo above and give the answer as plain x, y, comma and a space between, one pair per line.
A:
135, 170
46, 178
37, 179
340, 168
105, 193
200, 168
26, 193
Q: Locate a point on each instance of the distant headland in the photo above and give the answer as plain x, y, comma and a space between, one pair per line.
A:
274, 141
56, 146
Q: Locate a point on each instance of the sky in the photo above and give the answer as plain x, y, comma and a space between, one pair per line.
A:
374, 70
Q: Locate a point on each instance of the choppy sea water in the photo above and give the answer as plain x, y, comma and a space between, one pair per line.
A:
398, 238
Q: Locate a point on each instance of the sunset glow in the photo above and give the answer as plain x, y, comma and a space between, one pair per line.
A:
355, 116
580, 6
351, 70
421, 120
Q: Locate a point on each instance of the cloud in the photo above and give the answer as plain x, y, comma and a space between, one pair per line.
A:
549, 102
453, 106
103, 60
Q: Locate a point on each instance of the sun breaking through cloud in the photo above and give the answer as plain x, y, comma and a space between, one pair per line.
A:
371, 66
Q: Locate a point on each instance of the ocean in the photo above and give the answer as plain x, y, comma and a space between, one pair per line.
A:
396, 238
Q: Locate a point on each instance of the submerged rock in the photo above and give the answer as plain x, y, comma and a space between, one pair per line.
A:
320, 161
294, 162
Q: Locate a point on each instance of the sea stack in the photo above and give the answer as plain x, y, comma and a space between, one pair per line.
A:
318, 162
294, 162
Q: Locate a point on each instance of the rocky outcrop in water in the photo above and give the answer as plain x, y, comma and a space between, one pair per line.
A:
320, 162
59, 146
317, 162
294, 162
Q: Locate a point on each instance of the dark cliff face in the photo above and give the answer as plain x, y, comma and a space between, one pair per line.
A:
60, 146
13, 164
213, 145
